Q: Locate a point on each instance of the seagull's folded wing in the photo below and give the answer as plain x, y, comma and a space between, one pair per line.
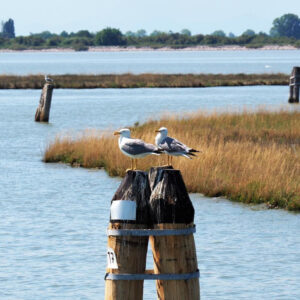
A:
136, 147
173, 145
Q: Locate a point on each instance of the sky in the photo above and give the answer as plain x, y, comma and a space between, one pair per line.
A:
199, 16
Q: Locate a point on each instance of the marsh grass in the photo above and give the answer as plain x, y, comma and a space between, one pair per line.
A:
247, 157
142, 80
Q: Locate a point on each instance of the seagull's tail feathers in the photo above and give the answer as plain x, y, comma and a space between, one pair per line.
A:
158, 151
187, 155
192, 154
193, 151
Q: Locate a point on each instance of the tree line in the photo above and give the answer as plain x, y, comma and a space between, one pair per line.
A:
285, 30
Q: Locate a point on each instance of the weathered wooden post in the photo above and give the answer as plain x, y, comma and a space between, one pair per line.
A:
174, 254
126, 254
294, 85
43, 110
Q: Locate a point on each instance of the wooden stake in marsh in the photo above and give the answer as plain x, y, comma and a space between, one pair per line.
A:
43, 110
171, 208
127, 254
294, 85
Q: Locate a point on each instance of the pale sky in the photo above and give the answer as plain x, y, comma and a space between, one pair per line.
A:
199, 16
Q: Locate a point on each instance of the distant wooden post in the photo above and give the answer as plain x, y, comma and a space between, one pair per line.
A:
127, 254
43, 110
171, 208
294, 85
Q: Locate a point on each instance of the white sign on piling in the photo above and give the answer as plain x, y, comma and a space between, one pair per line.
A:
123, 210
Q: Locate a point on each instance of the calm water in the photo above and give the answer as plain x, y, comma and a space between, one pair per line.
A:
53, 217
252, 61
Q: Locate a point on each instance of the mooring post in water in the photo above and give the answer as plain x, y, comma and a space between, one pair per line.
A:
43, 110
294, 85
126, 253
174, 253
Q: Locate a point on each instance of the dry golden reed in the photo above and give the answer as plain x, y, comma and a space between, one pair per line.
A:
248, 157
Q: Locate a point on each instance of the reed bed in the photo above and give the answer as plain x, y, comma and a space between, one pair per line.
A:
142, 80
248, 157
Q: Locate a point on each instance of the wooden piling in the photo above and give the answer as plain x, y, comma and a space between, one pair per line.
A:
294, 85
43, 110
171, 208
128, 253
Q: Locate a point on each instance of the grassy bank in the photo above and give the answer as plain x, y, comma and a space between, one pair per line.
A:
142, 80
248, 157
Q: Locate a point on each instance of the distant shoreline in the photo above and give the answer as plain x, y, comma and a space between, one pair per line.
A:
137, 49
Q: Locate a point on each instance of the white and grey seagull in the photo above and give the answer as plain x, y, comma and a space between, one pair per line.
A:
135, 148
48, 79
171, 146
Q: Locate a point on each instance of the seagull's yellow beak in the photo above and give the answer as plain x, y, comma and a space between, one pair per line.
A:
157, 131
116, 133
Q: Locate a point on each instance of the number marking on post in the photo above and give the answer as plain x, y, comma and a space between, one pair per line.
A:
111, 259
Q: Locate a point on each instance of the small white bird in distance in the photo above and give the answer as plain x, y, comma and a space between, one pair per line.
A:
171, 146
135, 148
48, 79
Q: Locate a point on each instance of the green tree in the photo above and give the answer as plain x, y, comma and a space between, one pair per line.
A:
186, 32
54, 41
210, 40
44, 34
219, 33
84, 33
110, 37
8, 29
197, 39
249, 32
244, 39
129, 33
31, 41
141, 33
156, 33
64, 34
287, 25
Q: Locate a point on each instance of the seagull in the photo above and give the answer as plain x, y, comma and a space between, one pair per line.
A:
135, 148
171, 146
48, 79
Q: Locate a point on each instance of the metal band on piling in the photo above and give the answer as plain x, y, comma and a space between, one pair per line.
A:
184, 276
150, 232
